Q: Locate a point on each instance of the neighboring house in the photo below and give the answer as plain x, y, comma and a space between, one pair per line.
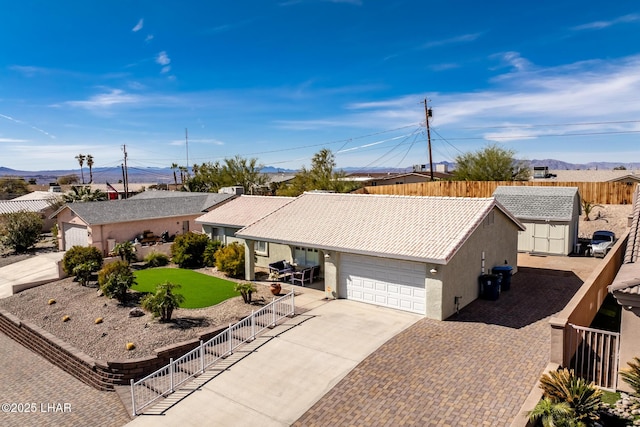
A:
223, 222
103, 224
585, 175
626, 289
550, 214
419, 254
41, 202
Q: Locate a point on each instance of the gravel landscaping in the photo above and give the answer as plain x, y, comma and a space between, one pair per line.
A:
107, 340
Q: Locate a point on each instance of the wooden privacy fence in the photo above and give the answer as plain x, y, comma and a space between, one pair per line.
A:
606, 193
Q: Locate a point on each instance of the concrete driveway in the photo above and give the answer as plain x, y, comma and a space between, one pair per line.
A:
285, 372
30, 272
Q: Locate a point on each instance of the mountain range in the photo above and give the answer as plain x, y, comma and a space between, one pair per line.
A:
165, 175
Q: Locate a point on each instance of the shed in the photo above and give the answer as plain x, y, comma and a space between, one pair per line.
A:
550, 214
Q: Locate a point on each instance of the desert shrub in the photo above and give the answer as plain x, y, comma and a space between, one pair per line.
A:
245, 289
230, 260
126, 251
156, 259
164, 301
115, 279
210, 252
20, 230
583, 398
81, 255
84, 271
188, 250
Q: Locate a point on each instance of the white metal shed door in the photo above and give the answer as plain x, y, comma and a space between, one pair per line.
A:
74, 235
386, 282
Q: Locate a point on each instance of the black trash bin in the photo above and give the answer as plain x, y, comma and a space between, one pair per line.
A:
490, 286
505, 271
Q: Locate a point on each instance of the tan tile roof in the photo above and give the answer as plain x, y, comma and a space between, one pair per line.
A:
244, 210
404, 227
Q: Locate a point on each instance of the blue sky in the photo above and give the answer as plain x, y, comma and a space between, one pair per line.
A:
279, 80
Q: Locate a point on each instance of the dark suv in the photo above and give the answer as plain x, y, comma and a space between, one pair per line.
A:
601, 243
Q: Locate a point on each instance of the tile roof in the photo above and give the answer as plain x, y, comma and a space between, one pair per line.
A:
627, 281
39, 195
11, 206
243, 210
403, 227
135, 209
539, 203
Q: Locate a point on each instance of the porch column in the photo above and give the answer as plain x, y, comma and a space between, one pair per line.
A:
249, 260
331, 274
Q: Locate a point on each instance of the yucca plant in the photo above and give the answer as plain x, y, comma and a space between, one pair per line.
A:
584, 398
631, 375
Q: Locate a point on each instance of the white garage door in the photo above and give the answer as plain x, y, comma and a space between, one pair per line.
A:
389, 283
74, 235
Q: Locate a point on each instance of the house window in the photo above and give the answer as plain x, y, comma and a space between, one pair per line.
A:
306, 256
262, 248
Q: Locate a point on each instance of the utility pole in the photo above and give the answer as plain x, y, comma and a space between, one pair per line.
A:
428, 114
126, 173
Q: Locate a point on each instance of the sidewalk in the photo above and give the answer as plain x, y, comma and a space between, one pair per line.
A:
278, 377
30, 272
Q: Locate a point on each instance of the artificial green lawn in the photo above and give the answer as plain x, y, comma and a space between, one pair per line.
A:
199, 290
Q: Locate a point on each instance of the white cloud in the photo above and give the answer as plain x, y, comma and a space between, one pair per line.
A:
13, 140
166, 69
138, 26
204, 141
163, 58
148, 38
513, 59
599, 25
465, 38
105, 100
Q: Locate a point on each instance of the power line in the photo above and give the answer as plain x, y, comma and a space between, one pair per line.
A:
552, 125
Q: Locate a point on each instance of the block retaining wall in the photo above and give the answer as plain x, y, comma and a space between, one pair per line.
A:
102, 375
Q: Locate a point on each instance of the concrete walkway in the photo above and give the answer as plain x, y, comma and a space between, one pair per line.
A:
30, 272
282, 374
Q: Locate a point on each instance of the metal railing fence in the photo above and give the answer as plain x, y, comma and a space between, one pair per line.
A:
165, 380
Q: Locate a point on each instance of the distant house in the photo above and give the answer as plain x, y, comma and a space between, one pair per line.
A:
542, 173
103, 224
550, 214
224, 221
626, 289
41, 202
419, 254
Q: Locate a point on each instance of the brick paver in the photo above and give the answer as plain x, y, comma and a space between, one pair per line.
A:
475, 369
26, 379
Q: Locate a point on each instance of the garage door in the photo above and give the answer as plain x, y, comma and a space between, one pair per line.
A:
389, 283
74, 235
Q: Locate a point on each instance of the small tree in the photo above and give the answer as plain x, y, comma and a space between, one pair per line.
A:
583, 398
115, 279
188, 250
20, 230
210, 252
164, 301
230, 259
12, 187
80, 255
246, 289
126, 251
587, 207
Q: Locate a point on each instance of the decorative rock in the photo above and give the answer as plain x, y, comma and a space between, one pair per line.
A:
136, 312
51, 301
99, 320
100, 293
130, 346
66, 318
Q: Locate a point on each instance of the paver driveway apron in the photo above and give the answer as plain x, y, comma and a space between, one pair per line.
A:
276, 384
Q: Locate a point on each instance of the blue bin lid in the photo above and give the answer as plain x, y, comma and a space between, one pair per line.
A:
502, 268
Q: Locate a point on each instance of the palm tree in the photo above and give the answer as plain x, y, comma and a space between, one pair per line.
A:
174, 166
83, 194
90, 164
551, 414
183, 173
80, 158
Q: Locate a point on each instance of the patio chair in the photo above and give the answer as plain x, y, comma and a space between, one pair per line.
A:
301, 277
